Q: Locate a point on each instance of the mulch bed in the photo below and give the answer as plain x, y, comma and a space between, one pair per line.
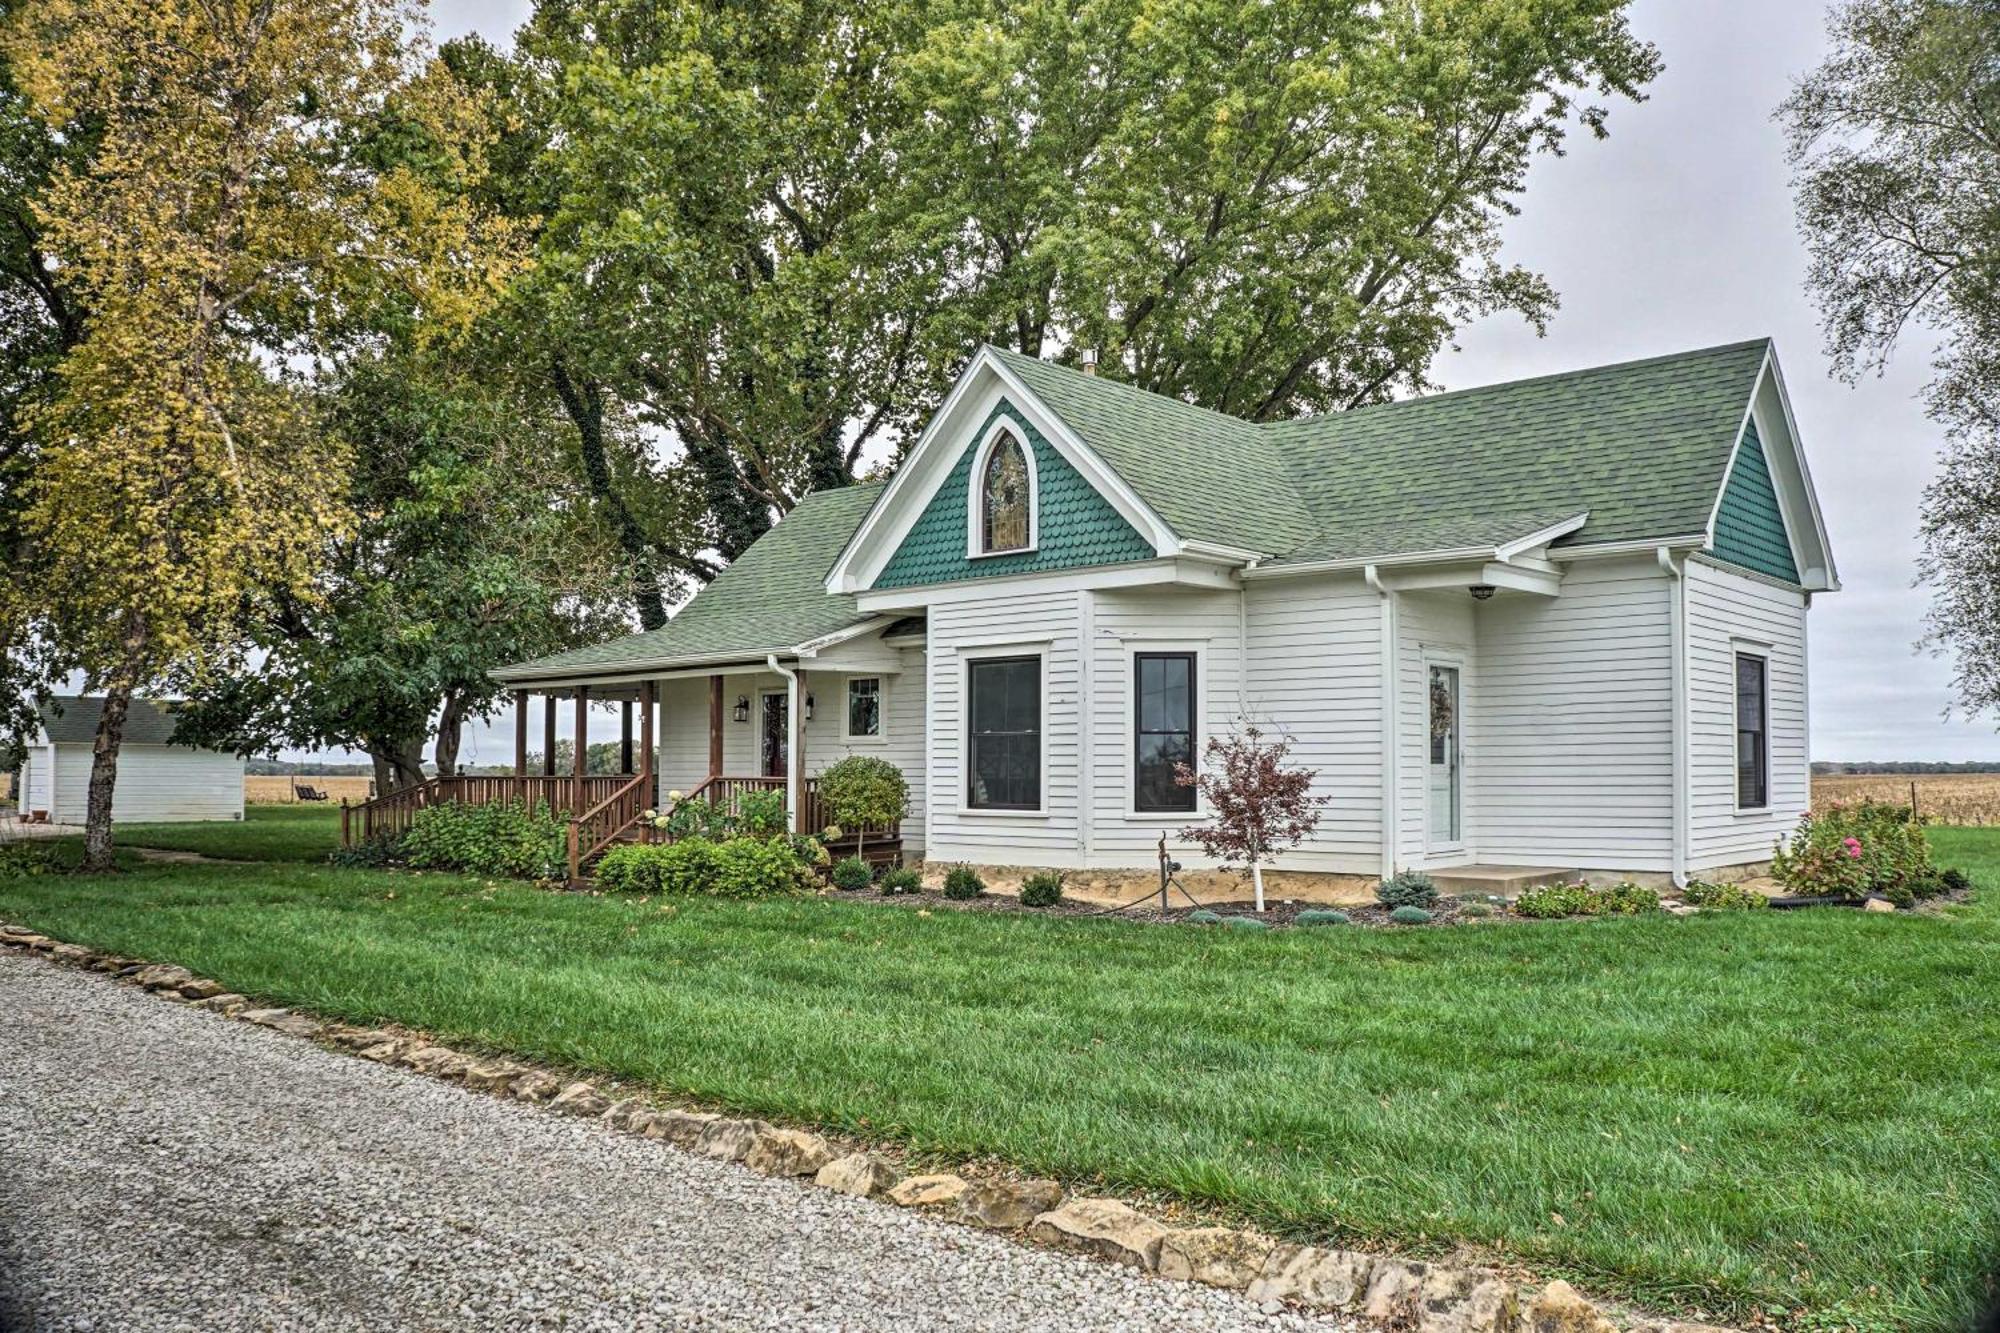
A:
1448, 911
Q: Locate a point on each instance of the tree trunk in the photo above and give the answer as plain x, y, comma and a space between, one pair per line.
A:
584, 403
104, 778
450, 731
398, 763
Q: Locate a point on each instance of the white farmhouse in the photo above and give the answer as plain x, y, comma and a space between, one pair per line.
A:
1556, 624
157, 781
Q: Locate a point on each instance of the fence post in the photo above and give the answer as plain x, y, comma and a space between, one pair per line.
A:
575, 853
344, 839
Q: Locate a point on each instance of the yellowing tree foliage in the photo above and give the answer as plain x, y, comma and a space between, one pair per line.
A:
232, 227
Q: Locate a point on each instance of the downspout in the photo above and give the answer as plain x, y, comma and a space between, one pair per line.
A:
794, 778
1389, 737
1677, 627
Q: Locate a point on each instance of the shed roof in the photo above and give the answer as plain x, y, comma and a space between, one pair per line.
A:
73, 720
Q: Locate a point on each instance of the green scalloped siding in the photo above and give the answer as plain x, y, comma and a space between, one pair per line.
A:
1749, 529
1077, 526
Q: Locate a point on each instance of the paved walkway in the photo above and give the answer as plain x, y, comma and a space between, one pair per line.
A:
162, 1168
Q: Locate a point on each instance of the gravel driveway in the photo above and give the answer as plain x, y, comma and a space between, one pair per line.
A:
164, 1168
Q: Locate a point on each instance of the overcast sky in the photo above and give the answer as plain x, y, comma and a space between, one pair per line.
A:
1678, 232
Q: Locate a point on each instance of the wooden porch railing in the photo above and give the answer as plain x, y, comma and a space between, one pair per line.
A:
389, 815
601, 825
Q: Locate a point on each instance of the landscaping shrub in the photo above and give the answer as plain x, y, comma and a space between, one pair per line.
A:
863, 791
1407, 888
1853, 851
1320, 916
900, 879
963, 882
1955, 880
19, 860
501, 839
1042, 889
685, 867
1410, 915
1559, 900
1203, 917
1245, 923
760, 814
1723, 897
759, 868
1475, 908
851, 873
369, 854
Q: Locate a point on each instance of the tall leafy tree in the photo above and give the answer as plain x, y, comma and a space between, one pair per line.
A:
777, 230
1896, 141
226, 225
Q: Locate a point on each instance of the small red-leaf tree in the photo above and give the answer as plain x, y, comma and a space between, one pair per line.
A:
1259, 805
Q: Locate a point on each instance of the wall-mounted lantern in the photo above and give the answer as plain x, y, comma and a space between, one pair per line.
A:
742, 708
809, 707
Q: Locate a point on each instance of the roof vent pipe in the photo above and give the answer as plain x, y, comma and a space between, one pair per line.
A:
1090, 360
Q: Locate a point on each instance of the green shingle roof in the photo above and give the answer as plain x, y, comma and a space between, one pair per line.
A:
1643, 447
771, 600
73, 720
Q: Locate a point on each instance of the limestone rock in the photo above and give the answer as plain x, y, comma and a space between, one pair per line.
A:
203, 988
105, 962
1007, 1205
683, 1129
1878, 905
1393, 1288
619, 1114
165, 976
438, 1061
787, 1152
861, 1174
580, 1099
74, 953
537, 1085
228, 1004
1308, 1275
492, 1075
357, 1038
1217, 1256
927, 1191
729, 1140
1559, 1308
283, 1020
382, 1053
1103, 1227
1462, 1300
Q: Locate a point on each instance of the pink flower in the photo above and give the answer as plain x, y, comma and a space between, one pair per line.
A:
1853, 846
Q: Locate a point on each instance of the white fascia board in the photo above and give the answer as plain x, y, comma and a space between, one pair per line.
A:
1522, 545
979, 388
1798, 505
1637, 546
1829, 575
1132, 574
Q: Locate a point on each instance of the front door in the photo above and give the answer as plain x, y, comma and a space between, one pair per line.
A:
776, 731
1446, 779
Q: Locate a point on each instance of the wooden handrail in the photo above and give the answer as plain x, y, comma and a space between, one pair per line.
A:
623, 807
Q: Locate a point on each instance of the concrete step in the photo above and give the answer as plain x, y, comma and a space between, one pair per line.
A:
1507, 881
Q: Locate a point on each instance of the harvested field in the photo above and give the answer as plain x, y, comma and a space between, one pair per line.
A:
1948, 798
264, 790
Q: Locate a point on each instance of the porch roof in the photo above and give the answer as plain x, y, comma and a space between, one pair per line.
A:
772, 600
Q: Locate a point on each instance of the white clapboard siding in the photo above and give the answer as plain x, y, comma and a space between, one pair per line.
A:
156, 784
1570, 723
35, 780
1169, 620
1315, 675
1431, 625
1727, 609
1047, 623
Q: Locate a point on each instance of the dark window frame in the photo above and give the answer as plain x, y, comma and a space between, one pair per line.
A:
1756, 781
973, 735
1140, 730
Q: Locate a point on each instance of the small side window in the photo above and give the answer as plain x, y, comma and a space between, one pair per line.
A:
1753, 749
864, 706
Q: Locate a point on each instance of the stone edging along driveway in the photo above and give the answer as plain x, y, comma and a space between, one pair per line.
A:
1421, 1297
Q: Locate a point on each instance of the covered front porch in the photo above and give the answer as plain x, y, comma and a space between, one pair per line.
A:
660, 724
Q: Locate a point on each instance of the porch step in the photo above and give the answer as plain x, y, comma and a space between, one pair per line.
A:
1507, 881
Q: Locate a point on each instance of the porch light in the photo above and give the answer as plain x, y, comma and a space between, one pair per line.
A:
742, 711
809, 707
1481, 591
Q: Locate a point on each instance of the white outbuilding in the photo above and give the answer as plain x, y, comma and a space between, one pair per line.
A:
158, 781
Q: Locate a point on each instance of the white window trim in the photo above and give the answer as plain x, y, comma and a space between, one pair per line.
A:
1445, 657
965, 809
975, 498
1129, 729
1739, 649
881, 735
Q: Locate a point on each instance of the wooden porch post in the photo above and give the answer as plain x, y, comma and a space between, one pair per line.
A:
715, 726
582, 748
549, 738
520, 733
625, 737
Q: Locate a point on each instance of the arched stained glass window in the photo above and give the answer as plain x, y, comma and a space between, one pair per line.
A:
1004, 498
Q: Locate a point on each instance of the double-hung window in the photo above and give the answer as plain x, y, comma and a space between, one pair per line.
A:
1163, 698
864, 707
1004, 740
1753, 747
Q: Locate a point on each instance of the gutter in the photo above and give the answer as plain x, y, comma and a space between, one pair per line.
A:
1678, 638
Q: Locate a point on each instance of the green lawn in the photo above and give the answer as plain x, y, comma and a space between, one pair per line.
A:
1787, 1111
267, 833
